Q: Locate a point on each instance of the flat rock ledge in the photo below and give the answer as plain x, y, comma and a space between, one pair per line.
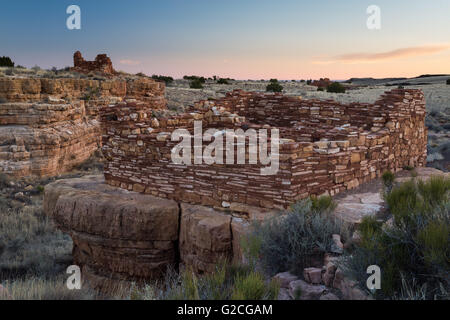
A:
368, 201
120, 235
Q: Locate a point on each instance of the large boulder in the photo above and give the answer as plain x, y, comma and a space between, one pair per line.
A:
205, 237
117, 234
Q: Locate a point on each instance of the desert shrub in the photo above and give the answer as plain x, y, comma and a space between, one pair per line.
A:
6, 62
226, 283
413, 251
436, 156
202, 80
274, 86
388, 181
196, 84
166, 79
222, 81
5, 180
448, 81
417, 198
295, 239
336, 87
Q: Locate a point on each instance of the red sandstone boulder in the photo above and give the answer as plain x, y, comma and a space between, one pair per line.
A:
205, 237
117, 234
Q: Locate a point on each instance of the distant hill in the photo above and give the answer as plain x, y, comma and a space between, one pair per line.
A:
372, 81
420, 80
432, 75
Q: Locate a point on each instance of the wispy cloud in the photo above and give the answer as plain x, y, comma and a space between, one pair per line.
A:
129, 62
380, 56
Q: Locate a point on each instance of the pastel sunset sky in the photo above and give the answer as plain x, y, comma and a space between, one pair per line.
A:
242, 39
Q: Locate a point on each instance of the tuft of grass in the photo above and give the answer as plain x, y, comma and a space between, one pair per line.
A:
46, 289
31, 244
250, 287
228, 282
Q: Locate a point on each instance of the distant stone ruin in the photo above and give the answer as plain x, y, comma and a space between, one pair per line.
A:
322, 83
102, 64
326, 147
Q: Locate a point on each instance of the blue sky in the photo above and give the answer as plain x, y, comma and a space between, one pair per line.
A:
287, 39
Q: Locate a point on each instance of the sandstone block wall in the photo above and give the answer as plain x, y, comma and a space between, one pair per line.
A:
47, 126
326, 147
101, 64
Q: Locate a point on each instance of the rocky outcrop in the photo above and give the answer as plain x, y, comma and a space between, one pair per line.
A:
117, 234
205, 237
122, 235
48, 126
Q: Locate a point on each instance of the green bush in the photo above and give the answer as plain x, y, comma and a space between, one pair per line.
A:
274, 86
202, 80
413, 252
448, 81
320, 89
6, 62
222, 81
294, 240
196, 84
336, 87
166, 79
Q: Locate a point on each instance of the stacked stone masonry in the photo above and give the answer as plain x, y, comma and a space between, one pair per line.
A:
325, 147
102, 64
47, 126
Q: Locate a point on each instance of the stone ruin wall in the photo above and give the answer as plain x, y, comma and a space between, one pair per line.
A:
326, 147
101, 64
48, 126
